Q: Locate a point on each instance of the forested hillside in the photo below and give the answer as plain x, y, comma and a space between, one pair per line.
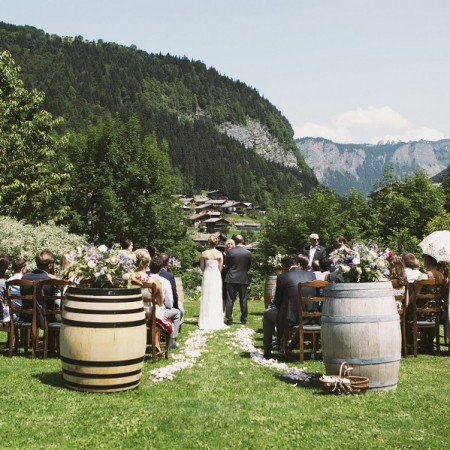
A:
178, 100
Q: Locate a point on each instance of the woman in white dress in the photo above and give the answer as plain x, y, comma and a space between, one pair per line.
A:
211, 309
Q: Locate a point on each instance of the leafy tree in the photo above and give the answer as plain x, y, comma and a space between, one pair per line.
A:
284, 230
356, 218
33, 179
445, 184
124, 186
406, 204
320, 212
438, 222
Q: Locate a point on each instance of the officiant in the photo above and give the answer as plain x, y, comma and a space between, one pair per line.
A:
314, 251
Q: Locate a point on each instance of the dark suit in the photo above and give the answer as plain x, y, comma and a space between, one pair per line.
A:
320, 253
238, 261
37, 275
286, 302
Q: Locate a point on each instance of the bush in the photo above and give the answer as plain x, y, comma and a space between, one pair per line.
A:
192, 278
256, 286
19, 239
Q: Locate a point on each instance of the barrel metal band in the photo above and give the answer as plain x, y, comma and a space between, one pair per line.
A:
88, 299
83, 324
101, 375
106, 387
360, 319
102, 311
79, 362
362, 361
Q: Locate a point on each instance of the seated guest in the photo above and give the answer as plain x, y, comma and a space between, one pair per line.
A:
127, 246
19, 267
45, 269
397, 272
411, 268
339, 245
169, 276
4, 309
156, 265
321, 269
142, 266
285, 312
325, 267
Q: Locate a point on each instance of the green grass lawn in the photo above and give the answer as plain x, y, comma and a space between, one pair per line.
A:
224, 401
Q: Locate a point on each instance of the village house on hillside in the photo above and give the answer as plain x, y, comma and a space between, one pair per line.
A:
209, 208
215, 224
217, 195
198, 219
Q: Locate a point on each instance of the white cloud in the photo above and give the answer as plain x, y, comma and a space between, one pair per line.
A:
372, 117
368, 125
338, 134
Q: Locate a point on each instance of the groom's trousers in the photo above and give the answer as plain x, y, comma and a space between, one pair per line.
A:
233, 290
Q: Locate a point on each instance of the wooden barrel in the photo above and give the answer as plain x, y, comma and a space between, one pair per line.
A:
361, 325
180, 290
102, 339
271, 282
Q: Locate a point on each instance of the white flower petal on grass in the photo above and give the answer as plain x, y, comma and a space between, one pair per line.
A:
192, 349
242, 339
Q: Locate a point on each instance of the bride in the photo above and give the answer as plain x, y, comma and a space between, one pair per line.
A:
211, 306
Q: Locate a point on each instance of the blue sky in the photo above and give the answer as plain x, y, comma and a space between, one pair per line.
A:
347, 70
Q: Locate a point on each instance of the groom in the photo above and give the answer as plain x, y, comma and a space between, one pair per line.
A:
238, 262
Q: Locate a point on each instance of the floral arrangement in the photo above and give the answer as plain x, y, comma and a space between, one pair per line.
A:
274, 262
359, 264
174, 265
100, 266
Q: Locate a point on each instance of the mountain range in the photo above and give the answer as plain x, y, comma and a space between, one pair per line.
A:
345, 166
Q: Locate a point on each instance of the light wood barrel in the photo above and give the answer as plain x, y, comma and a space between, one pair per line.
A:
271, 282
102, 339
360, 325
180, 289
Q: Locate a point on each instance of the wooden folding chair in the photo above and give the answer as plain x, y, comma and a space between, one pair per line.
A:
427, 302
401, 300
52, 298
309, 311
23, 311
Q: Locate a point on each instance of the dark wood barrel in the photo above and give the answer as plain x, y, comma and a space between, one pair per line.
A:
361, 325
102, 339
271, 282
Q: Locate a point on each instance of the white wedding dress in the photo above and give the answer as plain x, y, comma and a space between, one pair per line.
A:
211, 307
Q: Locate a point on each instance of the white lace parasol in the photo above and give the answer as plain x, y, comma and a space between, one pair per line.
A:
437, 245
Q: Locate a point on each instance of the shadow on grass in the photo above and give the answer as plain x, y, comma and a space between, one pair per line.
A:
311, 381
54, 379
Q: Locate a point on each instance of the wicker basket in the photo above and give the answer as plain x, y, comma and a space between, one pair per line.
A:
344, 383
